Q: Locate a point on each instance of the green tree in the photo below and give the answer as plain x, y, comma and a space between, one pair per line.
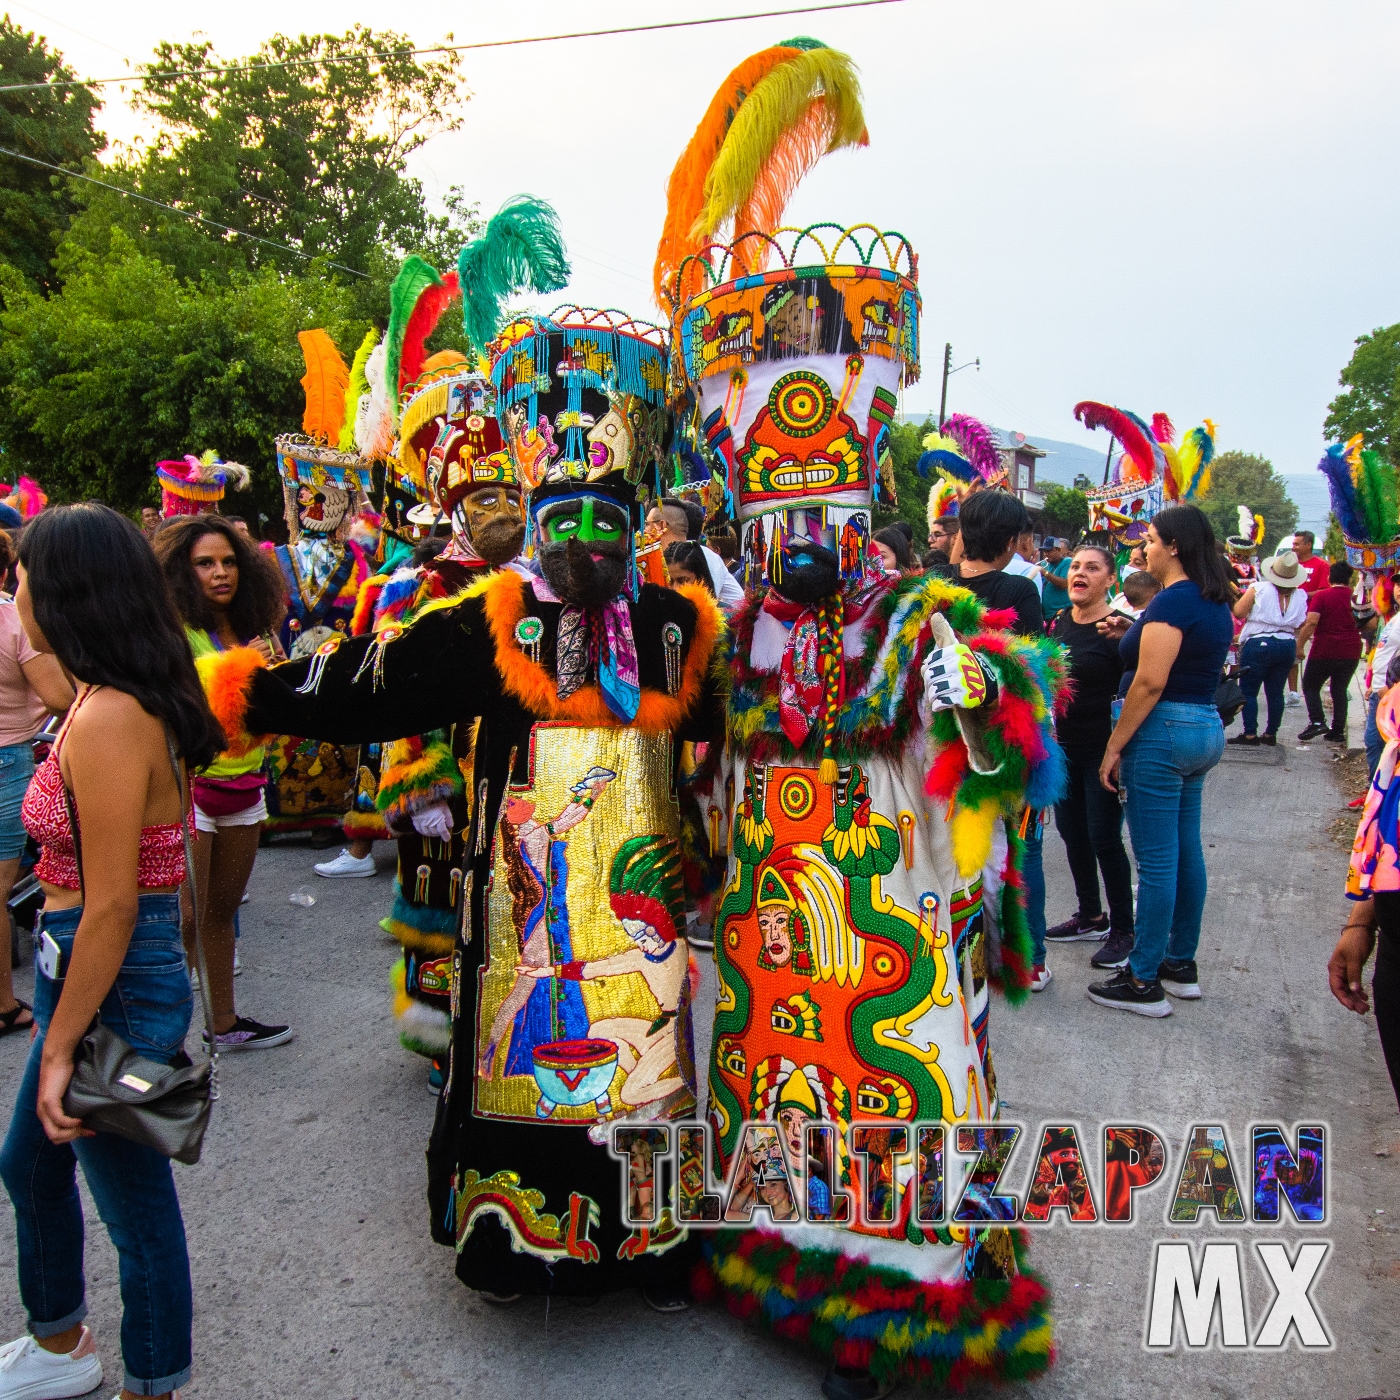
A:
1244, 479
51, 124
1065, 512
1369, 404
128, 364
1334, 546
306, 148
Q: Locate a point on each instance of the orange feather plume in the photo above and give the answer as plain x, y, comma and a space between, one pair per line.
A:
325, 381
685, 190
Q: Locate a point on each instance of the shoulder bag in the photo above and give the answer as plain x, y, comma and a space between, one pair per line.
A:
114, 1088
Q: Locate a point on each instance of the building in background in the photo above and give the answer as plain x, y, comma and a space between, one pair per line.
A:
1019, 457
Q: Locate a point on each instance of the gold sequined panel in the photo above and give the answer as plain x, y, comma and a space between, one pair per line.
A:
584, 1005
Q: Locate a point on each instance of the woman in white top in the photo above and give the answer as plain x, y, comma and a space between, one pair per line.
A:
1272, 610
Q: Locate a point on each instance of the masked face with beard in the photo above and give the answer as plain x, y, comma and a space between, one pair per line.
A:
490, 519
802, 561
584, 548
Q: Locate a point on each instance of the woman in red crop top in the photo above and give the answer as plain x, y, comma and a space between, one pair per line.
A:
90, 593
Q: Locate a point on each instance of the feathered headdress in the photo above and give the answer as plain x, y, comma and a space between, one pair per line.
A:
1364, 492
327, 383
772, 119
965, 450
942, 501
26, 496
1188, 465
374, 416
193, 485
1143, 459
357, 390
417, 299
521, 249
1251, 532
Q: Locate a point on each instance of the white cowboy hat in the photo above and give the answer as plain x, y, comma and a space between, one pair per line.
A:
1283, 570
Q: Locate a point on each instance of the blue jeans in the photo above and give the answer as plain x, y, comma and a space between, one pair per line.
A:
1375, 745
16, 769
1033, 873
149, 1007
1164, 769
1265, 661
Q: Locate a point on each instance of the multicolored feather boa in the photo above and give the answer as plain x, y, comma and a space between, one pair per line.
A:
877, 1319
881, 715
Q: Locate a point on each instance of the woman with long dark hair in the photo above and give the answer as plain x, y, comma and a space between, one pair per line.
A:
229, 593
109, 942
1167, 737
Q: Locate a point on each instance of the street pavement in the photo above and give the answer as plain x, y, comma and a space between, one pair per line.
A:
314, 1275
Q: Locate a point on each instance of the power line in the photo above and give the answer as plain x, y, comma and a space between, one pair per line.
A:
453, 48
184, 213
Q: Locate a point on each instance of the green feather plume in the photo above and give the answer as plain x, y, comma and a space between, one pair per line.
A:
359, 385
1377, 495
521, 249
415, 277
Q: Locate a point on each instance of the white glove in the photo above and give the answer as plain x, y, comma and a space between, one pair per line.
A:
955, 677
434, 821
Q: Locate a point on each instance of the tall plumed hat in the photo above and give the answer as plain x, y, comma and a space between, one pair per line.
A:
1251, 533
195, 485
963, 455
581, 396
1365, 498
793, 343
449, 441
314, 458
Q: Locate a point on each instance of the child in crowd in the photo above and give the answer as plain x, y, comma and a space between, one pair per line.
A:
1139, 589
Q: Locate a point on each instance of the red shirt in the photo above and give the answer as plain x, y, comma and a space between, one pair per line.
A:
1317, 568
1337, 637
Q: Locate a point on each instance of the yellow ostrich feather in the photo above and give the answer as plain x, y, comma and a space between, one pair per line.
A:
325, 381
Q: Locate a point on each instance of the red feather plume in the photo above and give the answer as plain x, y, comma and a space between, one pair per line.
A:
1136, 444
423, 320
1162, 428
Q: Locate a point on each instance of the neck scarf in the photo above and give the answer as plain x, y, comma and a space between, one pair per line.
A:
599, 640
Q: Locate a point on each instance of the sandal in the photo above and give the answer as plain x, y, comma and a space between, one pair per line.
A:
10, 1022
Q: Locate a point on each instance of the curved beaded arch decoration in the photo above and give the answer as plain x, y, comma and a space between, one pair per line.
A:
751, 253
570, 317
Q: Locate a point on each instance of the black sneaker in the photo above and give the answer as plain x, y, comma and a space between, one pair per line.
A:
248, 1034
1251, 740
666, 1297
1179, 978
1314, 731
1335, 738
1270, 739
1114, 952
1078, 929
844, 1383
1123, 993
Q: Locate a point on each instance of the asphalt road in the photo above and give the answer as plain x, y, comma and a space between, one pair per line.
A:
314, 1274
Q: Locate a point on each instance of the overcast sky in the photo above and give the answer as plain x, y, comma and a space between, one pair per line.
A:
1186, 207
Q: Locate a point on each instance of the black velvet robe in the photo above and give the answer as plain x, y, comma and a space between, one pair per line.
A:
534, 1204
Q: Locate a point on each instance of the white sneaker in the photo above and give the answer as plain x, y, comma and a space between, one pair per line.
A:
1293, 697
1040, 978
237, 962
28, 1372
346, 867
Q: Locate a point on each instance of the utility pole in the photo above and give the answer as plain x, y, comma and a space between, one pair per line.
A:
947, 370
1108, 464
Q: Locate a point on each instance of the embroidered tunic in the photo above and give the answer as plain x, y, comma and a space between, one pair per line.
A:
570, 1004
853, 975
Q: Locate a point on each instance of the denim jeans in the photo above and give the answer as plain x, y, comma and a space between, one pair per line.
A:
1090, 822
1265, 661
1033, 873
1375, 745
16, 769
149, 1007
1164, 769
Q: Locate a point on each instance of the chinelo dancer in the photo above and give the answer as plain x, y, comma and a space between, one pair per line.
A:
568, 1011
450, 438
878, 732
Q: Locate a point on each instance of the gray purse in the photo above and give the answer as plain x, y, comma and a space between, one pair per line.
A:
114, 1089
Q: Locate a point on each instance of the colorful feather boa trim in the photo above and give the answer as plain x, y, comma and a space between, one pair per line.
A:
365, 826
227, 677
879, 1319
430, 932
409, 784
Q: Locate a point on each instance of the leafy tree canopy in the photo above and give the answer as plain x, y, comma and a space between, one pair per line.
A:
130, 364
1244, 479
48, 124
1369, 403
906, 447
1065, 512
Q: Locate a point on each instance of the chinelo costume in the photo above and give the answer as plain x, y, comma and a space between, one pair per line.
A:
870, 756
195, 485
450, 440
1244, 547
325, 483
570, 995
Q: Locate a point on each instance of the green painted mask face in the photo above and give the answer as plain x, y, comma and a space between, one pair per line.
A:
587, 519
